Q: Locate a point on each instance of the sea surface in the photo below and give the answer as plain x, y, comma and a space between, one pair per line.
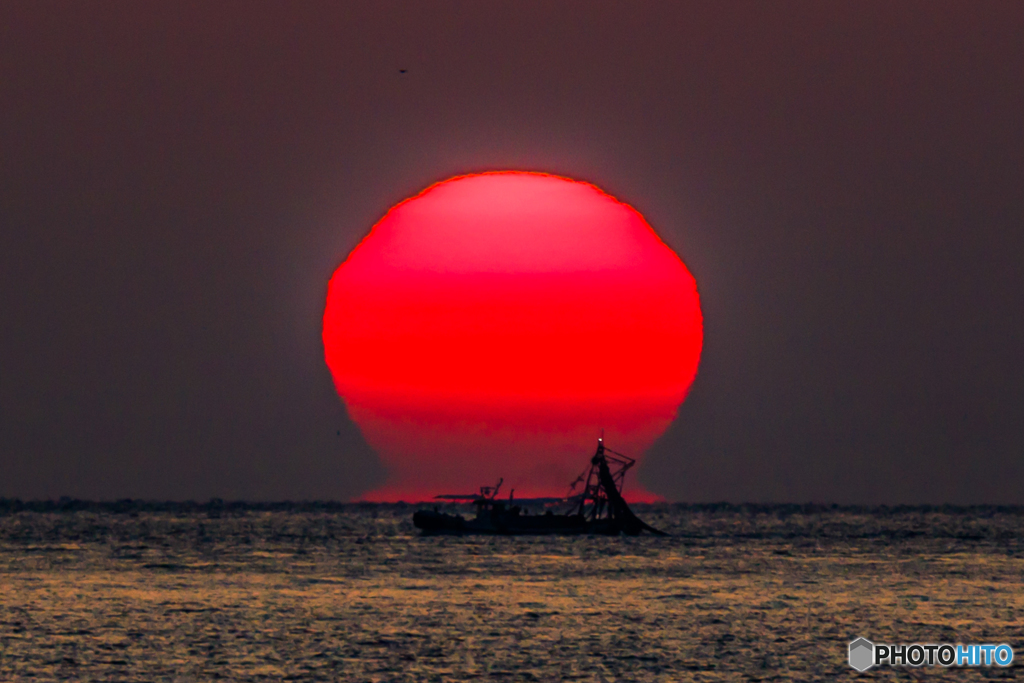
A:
328, 592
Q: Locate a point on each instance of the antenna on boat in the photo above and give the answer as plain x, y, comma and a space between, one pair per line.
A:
491, 492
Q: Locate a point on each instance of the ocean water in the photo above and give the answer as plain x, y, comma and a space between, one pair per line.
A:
353, 593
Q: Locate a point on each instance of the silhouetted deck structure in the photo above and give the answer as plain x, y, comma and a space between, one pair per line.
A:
598, 509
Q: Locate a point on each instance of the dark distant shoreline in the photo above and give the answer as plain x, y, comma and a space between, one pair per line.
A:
216, 505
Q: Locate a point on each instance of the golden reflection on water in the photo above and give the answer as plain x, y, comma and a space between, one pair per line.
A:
358, 596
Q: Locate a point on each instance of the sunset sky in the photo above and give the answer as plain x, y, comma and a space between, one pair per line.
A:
179, 182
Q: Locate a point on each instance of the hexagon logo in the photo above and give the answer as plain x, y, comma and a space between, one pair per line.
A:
862, 654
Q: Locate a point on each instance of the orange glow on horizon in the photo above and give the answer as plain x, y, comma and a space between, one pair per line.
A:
493, 324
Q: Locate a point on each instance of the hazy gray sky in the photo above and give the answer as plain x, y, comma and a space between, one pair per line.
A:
179, 180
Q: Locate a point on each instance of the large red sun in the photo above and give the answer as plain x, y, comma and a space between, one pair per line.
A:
494, 324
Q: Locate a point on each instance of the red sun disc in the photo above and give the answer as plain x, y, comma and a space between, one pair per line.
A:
493, 324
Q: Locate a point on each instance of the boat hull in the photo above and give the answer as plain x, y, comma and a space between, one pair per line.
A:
431, 522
